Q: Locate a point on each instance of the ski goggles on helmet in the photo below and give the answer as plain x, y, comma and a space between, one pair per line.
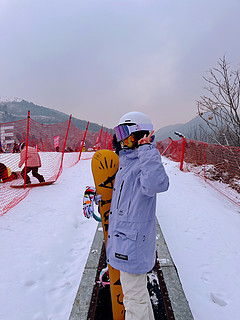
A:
123, 131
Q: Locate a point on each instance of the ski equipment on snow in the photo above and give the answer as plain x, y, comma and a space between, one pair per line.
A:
104, 274
90, 197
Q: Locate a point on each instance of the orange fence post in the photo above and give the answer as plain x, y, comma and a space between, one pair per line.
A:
84, 137
183, 150
64, 146
168, 146
99, 140
105, 140
25, 173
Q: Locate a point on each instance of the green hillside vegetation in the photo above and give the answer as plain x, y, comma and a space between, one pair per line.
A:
13, 111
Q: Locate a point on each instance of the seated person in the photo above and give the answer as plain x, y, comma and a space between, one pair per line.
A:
6, 174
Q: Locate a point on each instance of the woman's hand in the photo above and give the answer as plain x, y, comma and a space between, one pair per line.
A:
146, 139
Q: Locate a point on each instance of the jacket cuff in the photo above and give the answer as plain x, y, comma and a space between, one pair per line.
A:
145, 146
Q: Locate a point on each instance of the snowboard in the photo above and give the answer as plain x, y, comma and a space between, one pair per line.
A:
104, 168
32, 185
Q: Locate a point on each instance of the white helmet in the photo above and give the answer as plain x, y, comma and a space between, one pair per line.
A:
132, 122
138, 118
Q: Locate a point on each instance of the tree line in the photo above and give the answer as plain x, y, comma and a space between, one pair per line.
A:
219, 107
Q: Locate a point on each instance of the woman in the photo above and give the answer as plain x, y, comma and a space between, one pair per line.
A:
132, 221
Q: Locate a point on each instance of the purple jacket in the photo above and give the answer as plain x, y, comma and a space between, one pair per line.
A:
132, 221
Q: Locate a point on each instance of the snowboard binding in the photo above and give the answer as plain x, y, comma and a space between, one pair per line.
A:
104, 277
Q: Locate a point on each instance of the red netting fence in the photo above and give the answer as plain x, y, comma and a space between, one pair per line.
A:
59, 146
218, 165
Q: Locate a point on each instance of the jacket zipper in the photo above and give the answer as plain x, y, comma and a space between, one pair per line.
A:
129, 205
120, 193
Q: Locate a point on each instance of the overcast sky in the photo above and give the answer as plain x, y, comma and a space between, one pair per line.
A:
98, 59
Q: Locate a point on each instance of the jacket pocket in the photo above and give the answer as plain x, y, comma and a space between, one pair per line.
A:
124, 199
125, 245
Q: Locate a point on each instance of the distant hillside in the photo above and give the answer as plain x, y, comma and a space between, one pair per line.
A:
167, 131
17, 110
191, 130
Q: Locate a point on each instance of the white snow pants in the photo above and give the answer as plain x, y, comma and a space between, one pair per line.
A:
136, 298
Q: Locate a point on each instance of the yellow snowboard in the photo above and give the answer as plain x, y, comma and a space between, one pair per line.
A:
104, 167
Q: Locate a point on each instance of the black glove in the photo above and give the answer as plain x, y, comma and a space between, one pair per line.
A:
116, 144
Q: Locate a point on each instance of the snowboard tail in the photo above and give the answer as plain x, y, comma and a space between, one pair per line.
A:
104, 168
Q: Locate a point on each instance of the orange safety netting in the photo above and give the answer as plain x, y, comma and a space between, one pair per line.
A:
59, 146
210, 161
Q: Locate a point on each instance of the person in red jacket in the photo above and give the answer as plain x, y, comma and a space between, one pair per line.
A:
33, 163
6, 174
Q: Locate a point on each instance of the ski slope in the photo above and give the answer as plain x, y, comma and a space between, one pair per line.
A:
45, 241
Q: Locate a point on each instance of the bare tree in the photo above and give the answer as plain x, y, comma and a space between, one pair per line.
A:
196, 132
220, 107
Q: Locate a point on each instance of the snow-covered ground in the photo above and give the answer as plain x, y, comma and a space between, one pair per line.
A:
45, 241
202, 230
